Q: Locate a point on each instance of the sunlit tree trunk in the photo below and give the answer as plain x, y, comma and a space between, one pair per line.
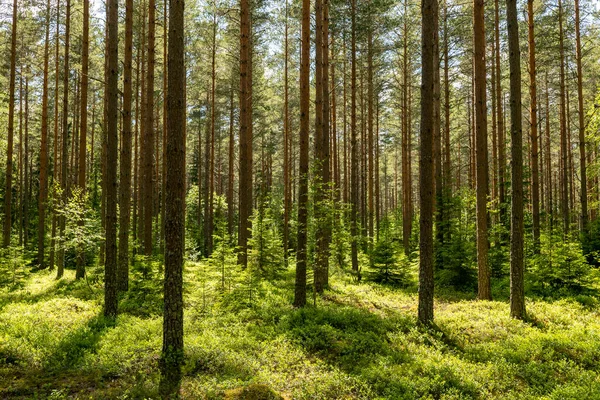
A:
11, 117
517, 287
481, 151
301, 256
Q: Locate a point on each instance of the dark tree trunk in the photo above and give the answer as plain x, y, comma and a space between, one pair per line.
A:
112, 140
484, 284
125, 165
11, 118
172, 351
245, 164
517, 291
300, 284
429, 12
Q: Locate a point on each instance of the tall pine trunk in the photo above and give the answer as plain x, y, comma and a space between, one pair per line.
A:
517, 288
481, 151
11, 118
172, 350
301, 256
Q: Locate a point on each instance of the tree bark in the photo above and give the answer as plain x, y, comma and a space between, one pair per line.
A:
81, 182
429, 13
65, 142
564, 200
517, 288
172, 350
582, 145
11, 118
125, 165
245, 163
535, 185
148, 142
300, 283
353, 153
484, 284
43, 192
112, 140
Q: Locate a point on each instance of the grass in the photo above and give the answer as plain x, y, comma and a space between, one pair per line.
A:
361, 341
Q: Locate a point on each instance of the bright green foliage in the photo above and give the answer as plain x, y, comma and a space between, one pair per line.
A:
265, 253
389, 265
559, 266
82, 228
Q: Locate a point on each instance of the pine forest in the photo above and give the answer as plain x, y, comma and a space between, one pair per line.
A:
300, 199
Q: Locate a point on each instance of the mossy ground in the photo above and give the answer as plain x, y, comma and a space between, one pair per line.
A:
361, 341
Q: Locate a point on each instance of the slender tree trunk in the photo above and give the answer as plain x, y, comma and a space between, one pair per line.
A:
426, 182
148, 142
230, 201
353, 153
535, 185
582, 145
300, 284
500, 119
55, 153
125, 165
112, 138
548, 160
11, 117
406, 186
564, 201
286, 140
370, 144
447, 162
245, 163
65, 142
26, 180
208, 229
484, 284
517, 291
172, 351
43, 192
81, 179
165, 133
322, 154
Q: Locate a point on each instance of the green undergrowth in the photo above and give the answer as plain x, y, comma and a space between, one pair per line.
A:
244, 340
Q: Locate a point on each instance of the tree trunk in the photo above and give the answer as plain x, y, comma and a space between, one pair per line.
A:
535, 185
172, 350
245, 163
406, 186
55, 153
85, 50
517, 290
286, 140
65, 142
11, 118
353, 153
148, 142
125, 165
300, 284
429, 13
564, 200
484, 284
500, 119
230, 205
112, 140
43, 192
582, 146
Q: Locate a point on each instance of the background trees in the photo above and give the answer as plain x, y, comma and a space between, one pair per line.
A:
329, 190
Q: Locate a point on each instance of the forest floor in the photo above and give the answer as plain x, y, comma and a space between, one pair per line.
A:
361, 341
